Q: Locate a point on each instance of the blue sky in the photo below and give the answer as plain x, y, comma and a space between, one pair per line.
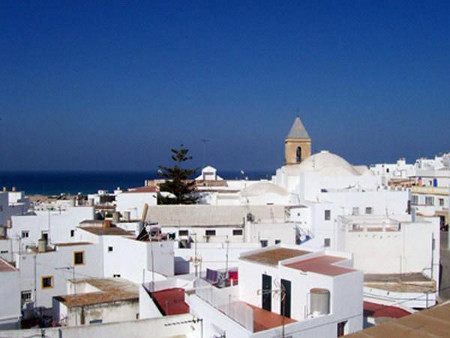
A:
102, 85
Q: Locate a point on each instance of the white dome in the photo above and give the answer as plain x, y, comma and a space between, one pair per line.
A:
325, 163
261, 188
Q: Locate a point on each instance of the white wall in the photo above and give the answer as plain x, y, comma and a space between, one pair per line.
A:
54, 263
134, 202
10, 311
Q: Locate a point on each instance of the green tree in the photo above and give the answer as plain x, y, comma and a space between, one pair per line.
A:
178, 180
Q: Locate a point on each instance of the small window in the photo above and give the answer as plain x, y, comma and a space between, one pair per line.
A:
368, 211
47, 282
237, 232
441, 202
415, 199
25, 234
78, 257
429, 200
264, 243
116, 275
355, 211
210, 232
327, 215
72, 233
183, 233
4, 251
110, 249
96, 321
277, 241
26, 296
326, 242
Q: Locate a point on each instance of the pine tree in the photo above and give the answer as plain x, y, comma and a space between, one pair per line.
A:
178, 180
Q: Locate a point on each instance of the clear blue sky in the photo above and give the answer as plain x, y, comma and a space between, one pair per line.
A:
114, 85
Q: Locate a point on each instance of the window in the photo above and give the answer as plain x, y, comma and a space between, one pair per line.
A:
429, 200
299, 155
355, 211
72, 233
441, 202
110, 249
277, 241
264, 243
26, 296
341, 328
4, 252
327, 215
116, 276
25, 234
326, 242
96, 321
210, 232
237, 232
183, 233
78, 257
47, 282
368, 211
414, 199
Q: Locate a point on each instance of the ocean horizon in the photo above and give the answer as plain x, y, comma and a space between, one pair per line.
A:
85, 182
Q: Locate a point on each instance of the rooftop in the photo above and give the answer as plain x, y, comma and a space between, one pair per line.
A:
5, 266
171, 301
265, 320
73, 244
433, 322
273, 256
149, 188
111, 231
410, 282
324, 265
110, 290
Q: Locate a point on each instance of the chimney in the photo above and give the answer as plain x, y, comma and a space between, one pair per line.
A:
107, 224
42, 245
116, 217
13, 189
5, 189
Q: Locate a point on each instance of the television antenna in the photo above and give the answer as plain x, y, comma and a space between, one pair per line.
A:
279, 293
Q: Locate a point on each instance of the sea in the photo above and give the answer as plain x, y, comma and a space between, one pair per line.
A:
84, 182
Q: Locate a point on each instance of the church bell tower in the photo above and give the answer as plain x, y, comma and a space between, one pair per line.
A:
297, 145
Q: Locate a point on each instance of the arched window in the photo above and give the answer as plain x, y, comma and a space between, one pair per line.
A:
299, 155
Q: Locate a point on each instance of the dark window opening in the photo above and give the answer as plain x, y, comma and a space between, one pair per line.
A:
237, 232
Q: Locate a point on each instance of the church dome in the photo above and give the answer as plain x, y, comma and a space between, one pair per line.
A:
261, 188
325, 163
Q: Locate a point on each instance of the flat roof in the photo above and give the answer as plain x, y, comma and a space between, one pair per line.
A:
171, 301
5, 266
111, 290
433, 322
265, 320
144, 189
324, 265
273, 256
73, 244
396, 282
111, 231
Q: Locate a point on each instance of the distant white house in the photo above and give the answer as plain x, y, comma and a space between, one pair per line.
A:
10, 311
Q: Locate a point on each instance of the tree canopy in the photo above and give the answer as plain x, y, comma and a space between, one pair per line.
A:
178, 180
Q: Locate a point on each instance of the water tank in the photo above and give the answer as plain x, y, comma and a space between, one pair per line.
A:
320, 301
42, 245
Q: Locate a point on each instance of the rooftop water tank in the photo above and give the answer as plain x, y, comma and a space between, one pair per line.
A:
320, 301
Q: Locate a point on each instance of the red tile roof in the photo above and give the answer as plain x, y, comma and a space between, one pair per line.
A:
379, 310
171, 301
324, 265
